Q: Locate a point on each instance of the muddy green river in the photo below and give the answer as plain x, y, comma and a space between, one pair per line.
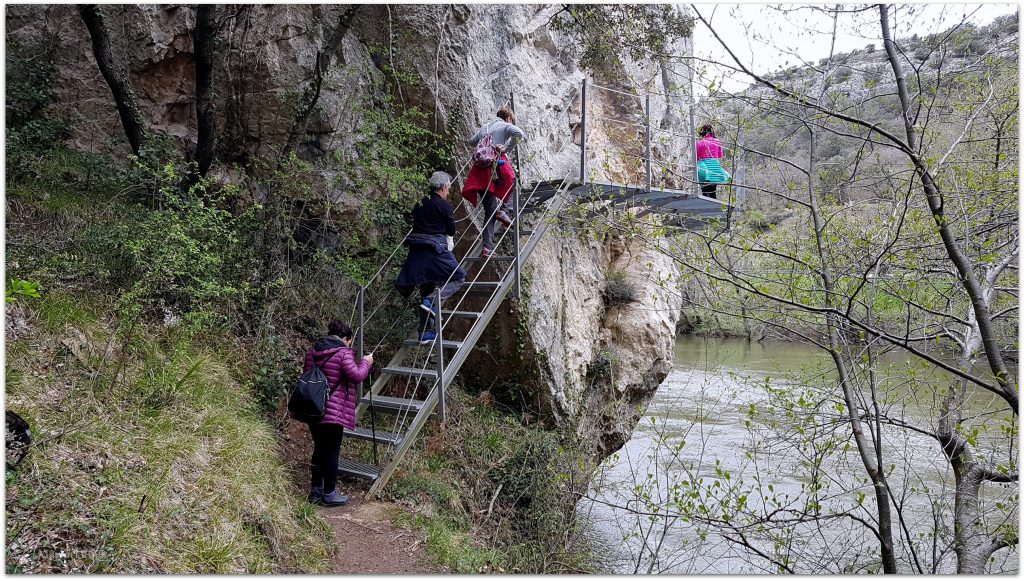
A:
697, 427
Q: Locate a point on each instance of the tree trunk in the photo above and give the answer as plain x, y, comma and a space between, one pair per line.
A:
117, 79
973, 543
206, 111
936, 205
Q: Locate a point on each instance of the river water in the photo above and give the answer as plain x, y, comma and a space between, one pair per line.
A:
698, 432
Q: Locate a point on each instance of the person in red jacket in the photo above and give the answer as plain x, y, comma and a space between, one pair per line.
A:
336, 358
491, 184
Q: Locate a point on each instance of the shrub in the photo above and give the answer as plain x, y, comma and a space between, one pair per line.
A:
487, 473
601, 366
617, 289
276, 370
22, 289
31, 134
189, 256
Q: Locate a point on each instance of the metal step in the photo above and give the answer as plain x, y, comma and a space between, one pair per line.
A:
383, 437
480, 286
493, 259
355, 469
394, 405
447, 344
526, 232
461, 314
411, 371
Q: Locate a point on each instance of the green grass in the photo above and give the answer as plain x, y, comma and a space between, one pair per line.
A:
490, 493
450, 543
151, 460
57, 311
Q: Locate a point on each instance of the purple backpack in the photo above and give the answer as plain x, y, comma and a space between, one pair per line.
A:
484, 155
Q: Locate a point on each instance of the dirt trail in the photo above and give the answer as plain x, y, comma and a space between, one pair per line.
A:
370, 542
368, 539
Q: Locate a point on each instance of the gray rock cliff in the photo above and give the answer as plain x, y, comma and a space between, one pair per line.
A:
466, 60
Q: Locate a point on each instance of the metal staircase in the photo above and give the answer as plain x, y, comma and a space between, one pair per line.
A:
449, 351
433, 367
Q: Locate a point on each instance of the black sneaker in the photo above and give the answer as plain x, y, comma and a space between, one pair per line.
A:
315, 494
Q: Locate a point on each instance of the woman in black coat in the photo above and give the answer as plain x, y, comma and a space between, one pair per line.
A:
430, 263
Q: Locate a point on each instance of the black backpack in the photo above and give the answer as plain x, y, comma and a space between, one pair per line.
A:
308, 402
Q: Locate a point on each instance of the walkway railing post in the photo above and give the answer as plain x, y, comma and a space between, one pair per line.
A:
515, 211
359, 336
440, 356
740, 175
583, 133
693, 145
647, 108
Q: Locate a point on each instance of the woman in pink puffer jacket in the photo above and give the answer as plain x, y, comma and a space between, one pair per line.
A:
336, 358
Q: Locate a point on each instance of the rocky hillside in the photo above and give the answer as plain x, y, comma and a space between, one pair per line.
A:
861, 83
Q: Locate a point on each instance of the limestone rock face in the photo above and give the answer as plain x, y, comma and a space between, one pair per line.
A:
601, 363
589, 365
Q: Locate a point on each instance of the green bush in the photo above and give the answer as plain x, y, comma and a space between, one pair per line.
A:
31, 133
276, 371
21, 289
188, 256
486, 472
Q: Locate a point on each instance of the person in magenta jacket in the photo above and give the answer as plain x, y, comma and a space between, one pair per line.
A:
709, 168
336, 358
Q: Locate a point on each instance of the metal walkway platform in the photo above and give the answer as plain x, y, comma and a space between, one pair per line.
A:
688, 211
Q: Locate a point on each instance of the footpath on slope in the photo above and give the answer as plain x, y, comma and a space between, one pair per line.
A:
368, 539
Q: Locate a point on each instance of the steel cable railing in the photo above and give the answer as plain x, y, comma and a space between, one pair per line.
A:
445, 323
689, 167
435, 386
361, 296
403, 416
394, 252
416, 380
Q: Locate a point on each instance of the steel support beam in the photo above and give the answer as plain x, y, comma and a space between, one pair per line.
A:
647, 111
583, 134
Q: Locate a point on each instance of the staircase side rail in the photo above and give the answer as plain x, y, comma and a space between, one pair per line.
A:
498, 296
418, 421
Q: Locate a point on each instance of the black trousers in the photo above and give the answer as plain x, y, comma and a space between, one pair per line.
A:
708, 190
427, 292
491, 205
323, 468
